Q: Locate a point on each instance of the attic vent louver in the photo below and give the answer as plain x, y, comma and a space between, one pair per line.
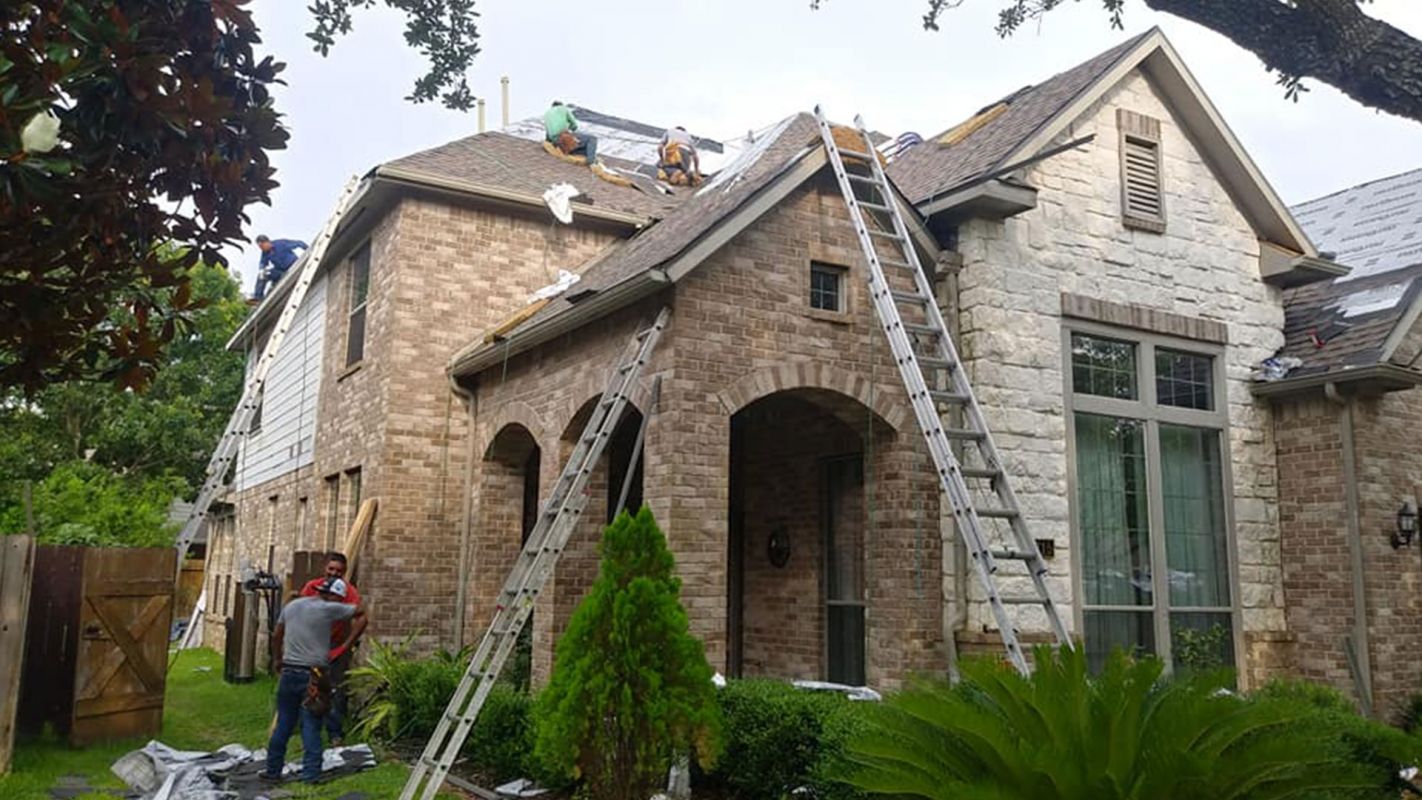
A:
1142, 192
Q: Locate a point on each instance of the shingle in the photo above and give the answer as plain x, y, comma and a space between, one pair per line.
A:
1349, 340
932, 168
507, 162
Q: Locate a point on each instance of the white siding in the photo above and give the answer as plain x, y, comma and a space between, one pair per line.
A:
284, 442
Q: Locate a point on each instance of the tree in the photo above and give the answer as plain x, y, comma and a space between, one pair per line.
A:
163, 434
631, 688
133, 134
1126, 734
1332, 41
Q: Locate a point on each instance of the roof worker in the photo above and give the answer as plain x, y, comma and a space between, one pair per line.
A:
680, 164
277, 258
560, 127
302, 648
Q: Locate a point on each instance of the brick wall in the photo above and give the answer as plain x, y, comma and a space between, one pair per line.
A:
742, 329
1205, 265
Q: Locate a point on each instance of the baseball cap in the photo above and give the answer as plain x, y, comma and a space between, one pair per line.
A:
334, 586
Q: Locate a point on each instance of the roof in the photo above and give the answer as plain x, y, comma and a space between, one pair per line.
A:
514, 164
1026, 123
620, 137
1376, 228
933, 168
756, 168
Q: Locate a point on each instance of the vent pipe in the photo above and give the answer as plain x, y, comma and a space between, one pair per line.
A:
504, 81
481, 115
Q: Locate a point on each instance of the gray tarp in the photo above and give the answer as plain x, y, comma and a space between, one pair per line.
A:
159, 772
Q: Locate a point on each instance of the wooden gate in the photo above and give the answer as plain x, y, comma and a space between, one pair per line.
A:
98, 642
16, 564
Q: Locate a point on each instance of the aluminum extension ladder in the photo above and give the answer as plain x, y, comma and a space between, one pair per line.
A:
881, 228
240, 423
556, 523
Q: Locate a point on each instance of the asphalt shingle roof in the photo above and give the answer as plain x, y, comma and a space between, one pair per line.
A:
932, 168
506, 162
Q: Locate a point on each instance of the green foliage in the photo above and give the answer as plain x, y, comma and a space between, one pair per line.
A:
1199, 650
1127, 733
1381, 749
500, 745
84, 504
631, 689
399, 697
780, 738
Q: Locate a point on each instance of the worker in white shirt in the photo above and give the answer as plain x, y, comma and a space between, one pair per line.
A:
679, 164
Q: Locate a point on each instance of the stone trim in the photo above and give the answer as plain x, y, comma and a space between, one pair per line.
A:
1144, 318
769, 380
592, 388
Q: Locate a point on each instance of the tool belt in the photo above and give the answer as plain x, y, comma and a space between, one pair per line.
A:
318, 692
567, 142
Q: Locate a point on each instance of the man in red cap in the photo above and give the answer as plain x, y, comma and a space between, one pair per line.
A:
340, 655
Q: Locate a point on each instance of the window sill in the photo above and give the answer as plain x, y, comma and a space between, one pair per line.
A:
350, 370
1143, 224
837, 317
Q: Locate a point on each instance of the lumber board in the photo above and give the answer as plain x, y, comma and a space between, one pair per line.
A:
357, 534
971, 126
519, 317
17, 561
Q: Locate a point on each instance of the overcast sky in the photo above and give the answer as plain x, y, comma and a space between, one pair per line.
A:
723, 67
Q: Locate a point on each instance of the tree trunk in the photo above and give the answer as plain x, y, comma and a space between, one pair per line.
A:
1332, 41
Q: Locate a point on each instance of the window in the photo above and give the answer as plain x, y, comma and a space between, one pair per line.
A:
298, 541
1142, 193
332, 490
843, 486
360, 291
352, 493
1150, 504
827, 287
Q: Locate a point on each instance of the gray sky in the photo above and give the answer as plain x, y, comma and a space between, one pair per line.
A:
723, 67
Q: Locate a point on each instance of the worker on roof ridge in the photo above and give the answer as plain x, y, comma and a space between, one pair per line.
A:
678, 162
560, 127
277, 258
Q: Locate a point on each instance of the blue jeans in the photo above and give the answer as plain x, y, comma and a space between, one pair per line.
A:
267, 278
291, 690
587, 147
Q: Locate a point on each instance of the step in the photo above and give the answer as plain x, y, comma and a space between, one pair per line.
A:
907, 297
887, 235
1022, 601
874, 206
961, 435
889, 262
1013, 555
953, 398
998, 513
935, 363
921, 329
855, 154
870, 179
978, 472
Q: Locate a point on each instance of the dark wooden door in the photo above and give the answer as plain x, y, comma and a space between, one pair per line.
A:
124, 620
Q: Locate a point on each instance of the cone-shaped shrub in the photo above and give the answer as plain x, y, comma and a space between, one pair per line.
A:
631, 689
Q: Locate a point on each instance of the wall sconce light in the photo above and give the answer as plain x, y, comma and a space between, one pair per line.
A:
1406, 526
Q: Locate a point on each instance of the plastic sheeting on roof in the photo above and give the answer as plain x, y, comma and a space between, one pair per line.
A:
732, 172
1371, 301
1373, 228
622, 138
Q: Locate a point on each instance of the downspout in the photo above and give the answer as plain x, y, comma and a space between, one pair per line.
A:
1357, 646
461, 591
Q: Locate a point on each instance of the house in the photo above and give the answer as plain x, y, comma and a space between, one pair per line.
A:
1342, 420
1114, 267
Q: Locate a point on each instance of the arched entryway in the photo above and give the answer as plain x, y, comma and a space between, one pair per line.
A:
507, 510
802, 460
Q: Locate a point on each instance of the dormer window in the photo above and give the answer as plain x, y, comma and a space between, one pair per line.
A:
1142, 191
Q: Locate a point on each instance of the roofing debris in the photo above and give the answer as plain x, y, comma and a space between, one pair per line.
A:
228, 773
559, 198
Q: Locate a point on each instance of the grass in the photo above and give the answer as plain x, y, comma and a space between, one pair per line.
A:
201, 712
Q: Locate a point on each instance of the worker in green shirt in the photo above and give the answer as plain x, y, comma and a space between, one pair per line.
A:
560, 126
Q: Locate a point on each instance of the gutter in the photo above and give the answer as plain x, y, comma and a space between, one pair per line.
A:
406, 177
461, 594
476, 360
1357, 647
1387, 377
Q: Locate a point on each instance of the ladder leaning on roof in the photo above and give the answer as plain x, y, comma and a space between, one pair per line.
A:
240, 423
556, 523
943, 366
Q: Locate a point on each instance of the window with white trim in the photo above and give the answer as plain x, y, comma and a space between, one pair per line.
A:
1142, 189
1151, 503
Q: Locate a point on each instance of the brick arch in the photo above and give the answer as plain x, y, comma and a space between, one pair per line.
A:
769, 380
588, 391
511, 413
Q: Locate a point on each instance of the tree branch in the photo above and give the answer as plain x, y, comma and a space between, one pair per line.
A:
1332, 41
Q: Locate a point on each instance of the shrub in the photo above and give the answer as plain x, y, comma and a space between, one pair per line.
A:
80, 503
631, 689
780, 738
500, 745
399, 697
1125, 734
1380, 749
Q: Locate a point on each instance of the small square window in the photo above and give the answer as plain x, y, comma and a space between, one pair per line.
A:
827, 287
1184, 380
1103, 367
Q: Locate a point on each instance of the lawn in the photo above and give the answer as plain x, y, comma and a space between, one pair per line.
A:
201, 713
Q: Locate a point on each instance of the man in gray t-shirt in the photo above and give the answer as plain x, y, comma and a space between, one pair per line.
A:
302, 642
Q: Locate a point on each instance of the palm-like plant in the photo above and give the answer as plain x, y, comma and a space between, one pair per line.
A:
1126, 734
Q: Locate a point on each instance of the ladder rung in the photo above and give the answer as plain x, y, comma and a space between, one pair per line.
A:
976, 472
1013, 555
998, 513
935, 363
1023, 601
855, 154
908, 297
887, 235
964, 435
875, 206
870, 179
915, 327
890, 262
948, 397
